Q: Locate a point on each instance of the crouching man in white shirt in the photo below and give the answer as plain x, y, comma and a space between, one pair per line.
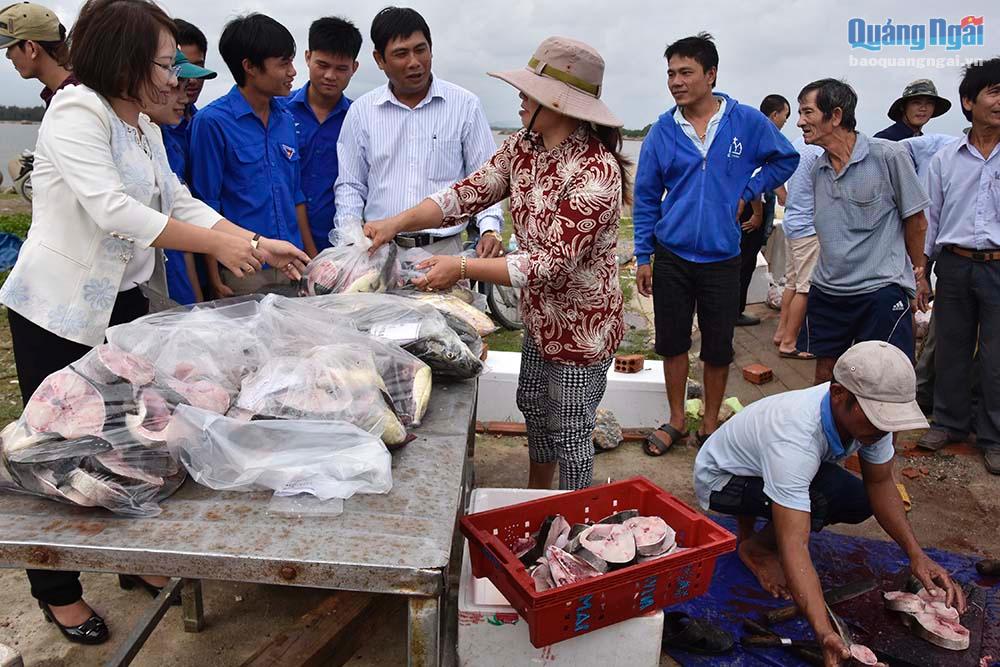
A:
779, 460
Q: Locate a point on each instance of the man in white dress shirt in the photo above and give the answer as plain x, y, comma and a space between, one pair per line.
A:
411, 137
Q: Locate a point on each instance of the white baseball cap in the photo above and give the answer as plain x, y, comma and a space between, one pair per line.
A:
881, 376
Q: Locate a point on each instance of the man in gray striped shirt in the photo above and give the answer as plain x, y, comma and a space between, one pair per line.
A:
412, 137
870, 223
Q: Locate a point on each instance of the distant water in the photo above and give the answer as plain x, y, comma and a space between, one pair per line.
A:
14, 138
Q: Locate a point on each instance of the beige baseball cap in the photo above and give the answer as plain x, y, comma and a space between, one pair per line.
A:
881, 376
26, 20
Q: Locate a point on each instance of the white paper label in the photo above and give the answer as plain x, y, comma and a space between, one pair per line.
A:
396, 332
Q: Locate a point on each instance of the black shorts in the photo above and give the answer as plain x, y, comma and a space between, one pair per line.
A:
835, 496
835, 323
678, 287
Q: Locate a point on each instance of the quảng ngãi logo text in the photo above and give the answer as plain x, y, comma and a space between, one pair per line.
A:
915, 36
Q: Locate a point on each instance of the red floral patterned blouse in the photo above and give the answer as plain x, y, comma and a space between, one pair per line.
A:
566, 205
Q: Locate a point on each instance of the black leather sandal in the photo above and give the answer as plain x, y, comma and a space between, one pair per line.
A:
92, 631
684, 633
656, 447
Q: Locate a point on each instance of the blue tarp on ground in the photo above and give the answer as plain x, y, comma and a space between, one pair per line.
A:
735, 594
10, 246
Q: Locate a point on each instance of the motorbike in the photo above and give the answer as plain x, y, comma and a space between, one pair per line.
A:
20, 171
502, 301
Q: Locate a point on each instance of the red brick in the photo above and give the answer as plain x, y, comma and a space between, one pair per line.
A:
629, 363
910, 473
757, 374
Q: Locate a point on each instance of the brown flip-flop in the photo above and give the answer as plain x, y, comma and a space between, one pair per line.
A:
797, 354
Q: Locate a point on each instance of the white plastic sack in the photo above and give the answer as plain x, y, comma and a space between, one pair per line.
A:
347, 267
775, 292
922, 322
326, 459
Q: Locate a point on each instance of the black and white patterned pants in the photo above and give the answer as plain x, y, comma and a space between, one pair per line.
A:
559, 403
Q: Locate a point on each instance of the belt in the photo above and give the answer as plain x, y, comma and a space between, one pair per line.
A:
992, 255
416, 240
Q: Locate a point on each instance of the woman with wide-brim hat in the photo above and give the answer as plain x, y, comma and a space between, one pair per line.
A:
566, 181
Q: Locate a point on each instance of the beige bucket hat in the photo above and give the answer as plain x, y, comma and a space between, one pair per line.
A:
567, 76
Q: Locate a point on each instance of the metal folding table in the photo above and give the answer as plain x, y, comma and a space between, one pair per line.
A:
400, 543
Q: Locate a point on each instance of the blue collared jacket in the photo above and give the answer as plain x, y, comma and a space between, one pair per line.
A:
248, 172
318, 148
688, 203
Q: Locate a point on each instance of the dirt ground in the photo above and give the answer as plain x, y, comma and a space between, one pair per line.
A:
955, 507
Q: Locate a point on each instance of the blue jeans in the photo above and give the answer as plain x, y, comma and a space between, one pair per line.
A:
835, 494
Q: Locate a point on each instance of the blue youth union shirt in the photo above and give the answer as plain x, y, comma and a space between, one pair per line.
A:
318, 145
247, 172
178, 284
177, 138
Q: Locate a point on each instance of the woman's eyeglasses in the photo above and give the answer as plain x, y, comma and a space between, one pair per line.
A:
171, 70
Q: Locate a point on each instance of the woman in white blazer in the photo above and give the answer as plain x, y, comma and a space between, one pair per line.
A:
105, 203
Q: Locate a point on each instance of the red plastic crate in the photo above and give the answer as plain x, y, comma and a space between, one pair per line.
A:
570, 611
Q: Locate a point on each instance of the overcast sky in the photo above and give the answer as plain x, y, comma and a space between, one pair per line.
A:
765, 46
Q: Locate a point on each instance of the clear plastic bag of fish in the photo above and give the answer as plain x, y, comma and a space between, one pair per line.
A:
460, 313
215, 342
347, 267
419, 329
294, 324
335, 382
326, 459
410, 258
94, 434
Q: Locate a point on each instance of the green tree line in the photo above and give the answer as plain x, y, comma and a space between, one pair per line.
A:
21, 113
636, 134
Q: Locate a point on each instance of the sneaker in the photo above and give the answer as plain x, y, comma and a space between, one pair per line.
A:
991, 457
745, 320
936, 438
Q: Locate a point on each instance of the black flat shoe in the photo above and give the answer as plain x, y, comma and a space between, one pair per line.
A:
129, 581
91, 631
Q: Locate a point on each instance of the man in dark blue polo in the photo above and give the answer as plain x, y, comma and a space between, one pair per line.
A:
244, 157
319, 108
911, 111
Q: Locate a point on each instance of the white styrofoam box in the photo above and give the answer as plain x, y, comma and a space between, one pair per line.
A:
758, 283
774, 251
484, 593
638, 400
494, 634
